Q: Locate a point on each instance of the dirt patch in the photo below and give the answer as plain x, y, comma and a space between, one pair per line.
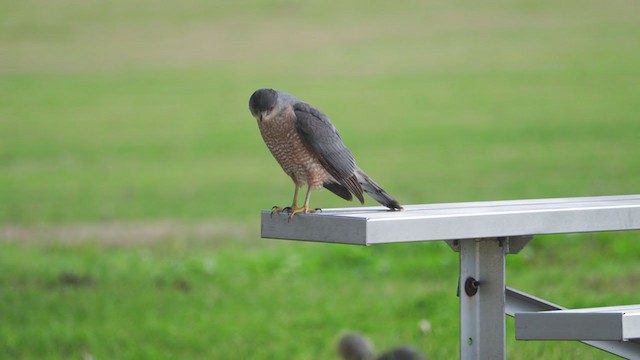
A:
128, 232
68, 279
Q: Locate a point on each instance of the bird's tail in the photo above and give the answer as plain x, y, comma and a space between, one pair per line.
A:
376, 192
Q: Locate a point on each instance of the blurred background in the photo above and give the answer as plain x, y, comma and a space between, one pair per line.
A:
132, 174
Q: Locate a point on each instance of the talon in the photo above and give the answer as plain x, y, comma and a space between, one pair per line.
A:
294, 211
277, 210
318, 210
303, 210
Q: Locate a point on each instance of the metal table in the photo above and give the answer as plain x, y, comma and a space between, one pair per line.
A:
483, 233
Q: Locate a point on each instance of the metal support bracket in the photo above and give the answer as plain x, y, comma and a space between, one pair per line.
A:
482, 304
514, 244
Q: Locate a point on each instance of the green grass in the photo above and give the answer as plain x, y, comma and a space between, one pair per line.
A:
284, 300
130, 119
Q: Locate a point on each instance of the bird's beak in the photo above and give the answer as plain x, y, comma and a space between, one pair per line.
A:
263, 115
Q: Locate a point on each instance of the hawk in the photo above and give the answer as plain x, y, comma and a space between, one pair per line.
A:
310, 150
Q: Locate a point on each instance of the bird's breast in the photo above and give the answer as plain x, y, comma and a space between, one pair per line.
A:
281, 137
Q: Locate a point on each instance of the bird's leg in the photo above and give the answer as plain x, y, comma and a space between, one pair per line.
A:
294, 204
289, 209
305, 208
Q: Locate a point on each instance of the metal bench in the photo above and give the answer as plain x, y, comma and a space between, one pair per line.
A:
612, 323
483, 233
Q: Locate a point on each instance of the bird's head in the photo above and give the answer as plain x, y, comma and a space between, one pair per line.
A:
262, 102
353, 346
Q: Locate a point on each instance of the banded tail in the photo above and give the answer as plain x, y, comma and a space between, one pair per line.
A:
376, 192
358, 183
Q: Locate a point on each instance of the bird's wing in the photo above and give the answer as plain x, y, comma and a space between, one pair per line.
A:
322, 138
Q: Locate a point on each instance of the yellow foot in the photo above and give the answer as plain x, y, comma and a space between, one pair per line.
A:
293, 210
304, 210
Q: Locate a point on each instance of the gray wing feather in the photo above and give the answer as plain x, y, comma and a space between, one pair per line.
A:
323, 139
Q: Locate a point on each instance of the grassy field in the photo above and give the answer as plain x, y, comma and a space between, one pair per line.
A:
132, 174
